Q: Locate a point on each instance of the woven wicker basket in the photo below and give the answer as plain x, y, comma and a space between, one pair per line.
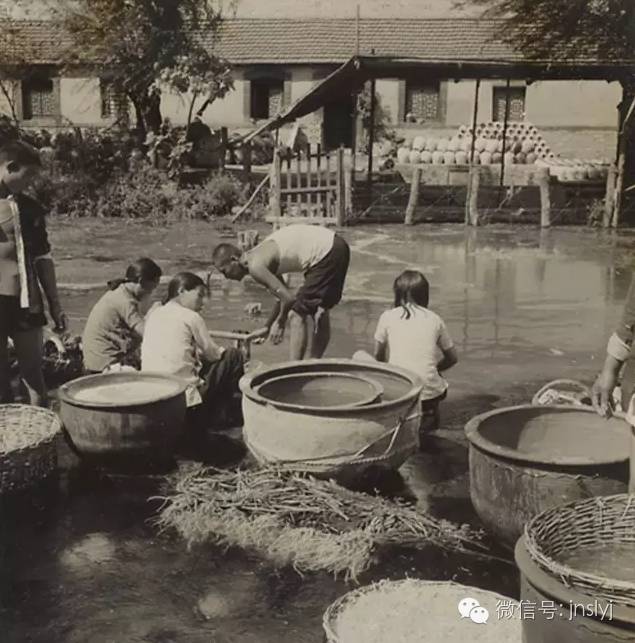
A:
441, 593
586, 524
34, 455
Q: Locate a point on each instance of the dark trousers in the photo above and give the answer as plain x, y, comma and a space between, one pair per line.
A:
430, 415
220, 392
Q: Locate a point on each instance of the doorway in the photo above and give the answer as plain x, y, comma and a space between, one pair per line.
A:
338, 122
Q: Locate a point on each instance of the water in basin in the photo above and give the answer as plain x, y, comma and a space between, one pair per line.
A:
321, 390
126, 392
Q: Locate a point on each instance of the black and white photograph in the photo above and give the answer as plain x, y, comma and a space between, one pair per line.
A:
317, 321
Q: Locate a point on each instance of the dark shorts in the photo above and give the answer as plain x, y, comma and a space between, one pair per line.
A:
14, 319
324, 282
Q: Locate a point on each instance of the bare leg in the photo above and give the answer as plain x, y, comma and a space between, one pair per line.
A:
28, 348
298, 340
322, 335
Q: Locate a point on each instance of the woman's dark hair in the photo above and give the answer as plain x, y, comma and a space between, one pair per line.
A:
411, 287
143, 269
183, 281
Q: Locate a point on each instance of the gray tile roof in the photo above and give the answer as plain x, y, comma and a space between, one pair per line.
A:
334, 40
296, 41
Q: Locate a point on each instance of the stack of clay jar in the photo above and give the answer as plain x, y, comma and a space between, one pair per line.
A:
576, 170
523, 144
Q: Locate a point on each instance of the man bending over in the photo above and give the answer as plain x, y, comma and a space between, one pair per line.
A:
316, 251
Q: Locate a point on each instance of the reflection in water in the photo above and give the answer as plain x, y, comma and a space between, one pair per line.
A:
501, 290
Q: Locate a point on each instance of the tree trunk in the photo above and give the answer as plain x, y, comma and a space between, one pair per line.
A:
152, 112
141, 126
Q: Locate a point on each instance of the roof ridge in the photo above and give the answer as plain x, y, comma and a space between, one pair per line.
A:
45, 21
373, 19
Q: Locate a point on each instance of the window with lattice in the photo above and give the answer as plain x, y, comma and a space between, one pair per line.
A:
422, 101
39, 98
516, 104
267, 97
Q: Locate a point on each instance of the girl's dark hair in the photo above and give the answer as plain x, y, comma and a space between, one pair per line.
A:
143, 269
411, 287
183, 281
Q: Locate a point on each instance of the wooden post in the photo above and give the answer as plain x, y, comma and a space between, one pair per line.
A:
474, 180
542, 176
298, 180
474, 118
414, 196
246, 154
619, 184
505, 121
348, 192
319, 180
274, 191
371, 134
223, 146
340, 206
609, 199
468, 200
309, 182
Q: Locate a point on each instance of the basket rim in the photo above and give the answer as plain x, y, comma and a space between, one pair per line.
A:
476, 439
50, 435
334, 609
574, 576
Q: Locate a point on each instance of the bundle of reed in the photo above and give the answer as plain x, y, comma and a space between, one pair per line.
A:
294, 519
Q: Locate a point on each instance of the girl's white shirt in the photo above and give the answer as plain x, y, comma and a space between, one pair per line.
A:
174, 341
416, 343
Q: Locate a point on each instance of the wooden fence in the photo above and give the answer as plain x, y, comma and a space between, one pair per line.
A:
310, 186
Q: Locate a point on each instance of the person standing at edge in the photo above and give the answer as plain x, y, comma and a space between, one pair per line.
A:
620, 352
25, 265
316, 251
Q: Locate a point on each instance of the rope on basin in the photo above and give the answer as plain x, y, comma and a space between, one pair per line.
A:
357, 458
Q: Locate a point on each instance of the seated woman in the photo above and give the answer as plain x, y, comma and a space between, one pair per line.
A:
115, 326
176, 341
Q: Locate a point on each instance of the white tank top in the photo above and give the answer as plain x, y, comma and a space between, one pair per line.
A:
301, 246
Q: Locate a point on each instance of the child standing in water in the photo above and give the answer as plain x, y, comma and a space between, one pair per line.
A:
114, 328
410, 335
176, 341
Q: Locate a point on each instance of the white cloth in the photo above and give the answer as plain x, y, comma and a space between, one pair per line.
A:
15, 281
617, 348
19, 249
174, 341
417, 344
630, 412
301, 246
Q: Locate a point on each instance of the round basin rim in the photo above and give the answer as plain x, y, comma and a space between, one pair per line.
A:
377, 389
66, 396
415, 384
476, 439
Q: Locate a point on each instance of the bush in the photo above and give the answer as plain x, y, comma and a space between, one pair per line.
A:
145, 193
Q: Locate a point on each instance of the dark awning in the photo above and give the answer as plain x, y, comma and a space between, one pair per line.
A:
351, 76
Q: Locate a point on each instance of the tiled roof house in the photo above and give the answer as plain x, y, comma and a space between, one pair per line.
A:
277, 60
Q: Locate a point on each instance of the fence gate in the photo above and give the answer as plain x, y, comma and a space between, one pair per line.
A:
309, 186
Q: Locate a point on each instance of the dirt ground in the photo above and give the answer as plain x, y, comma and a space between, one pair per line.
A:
524, 306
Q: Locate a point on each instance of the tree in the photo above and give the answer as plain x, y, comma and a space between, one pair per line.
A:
570, 29
141, 46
